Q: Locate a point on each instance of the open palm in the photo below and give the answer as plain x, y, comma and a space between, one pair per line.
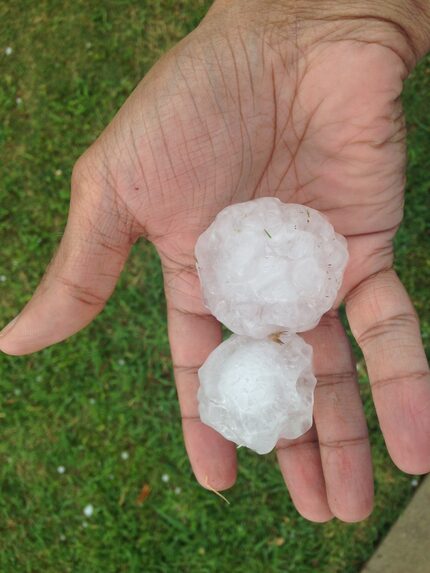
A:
233, 113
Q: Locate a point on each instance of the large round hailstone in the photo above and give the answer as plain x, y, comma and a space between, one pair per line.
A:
267, 267
254, 392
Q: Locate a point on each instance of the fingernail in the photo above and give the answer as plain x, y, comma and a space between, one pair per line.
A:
8, 327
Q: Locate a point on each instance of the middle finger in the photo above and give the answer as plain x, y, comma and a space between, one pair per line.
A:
340, 422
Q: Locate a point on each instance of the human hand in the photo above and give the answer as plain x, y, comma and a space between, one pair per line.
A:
272, 103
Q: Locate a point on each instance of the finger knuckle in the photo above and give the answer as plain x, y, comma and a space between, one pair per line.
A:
81, 293
387, 327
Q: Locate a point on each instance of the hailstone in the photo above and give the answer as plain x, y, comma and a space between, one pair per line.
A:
267, 267
254, 392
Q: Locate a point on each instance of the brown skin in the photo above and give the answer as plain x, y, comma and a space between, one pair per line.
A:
282, 102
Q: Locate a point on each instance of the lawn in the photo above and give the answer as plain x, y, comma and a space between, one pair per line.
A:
94, 420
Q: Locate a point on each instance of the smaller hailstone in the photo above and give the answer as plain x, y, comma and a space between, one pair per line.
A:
3, 278
255, 392
8, 51
178, 490
124, 455
165, 478
88, 510
61, 469
267, 267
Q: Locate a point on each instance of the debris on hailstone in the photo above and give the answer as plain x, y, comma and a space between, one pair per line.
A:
254, 392
267, 266
267, 270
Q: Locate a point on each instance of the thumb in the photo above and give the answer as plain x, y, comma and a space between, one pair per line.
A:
83, 273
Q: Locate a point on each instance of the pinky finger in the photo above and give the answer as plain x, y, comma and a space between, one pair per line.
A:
386, 327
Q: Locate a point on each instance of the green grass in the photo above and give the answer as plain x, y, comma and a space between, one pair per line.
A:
109, 389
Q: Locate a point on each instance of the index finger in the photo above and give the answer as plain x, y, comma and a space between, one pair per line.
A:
193, 334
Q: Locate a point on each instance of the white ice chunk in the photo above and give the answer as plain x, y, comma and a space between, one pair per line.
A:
254, 392
267, 266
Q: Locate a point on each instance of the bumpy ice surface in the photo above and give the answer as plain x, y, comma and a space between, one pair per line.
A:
267, 266
254, 392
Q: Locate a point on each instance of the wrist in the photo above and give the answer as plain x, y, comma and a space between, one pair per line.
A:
412, 17
402, 25
420, 32
402, 19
